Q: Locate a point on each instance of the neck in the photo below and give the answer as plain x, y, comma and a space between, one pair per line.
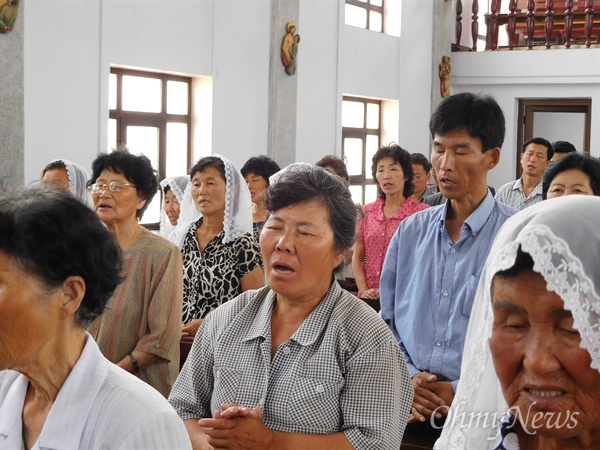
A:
461, 208
125, 232
394, 200
296, 311
419, 195
530, 182
259, 214
213, 223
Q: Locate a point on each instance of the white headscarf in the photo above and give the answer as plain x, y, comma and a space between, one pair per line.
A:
238, 208
563, 238
78, 177
177, 185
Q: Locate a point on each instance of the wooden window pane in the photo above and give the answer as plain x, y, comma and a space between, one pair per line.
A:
370, 193
375, 21
357, 193
373, 116
177, 97
353, 114
372, 147
142, 94
112, 91
353, 151
177, 144
112, 134
356, 16
377, 2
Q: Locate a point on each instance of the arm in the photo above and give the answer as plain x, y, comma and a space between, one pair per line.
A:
358, 267
143, 359
253, 280
197, 435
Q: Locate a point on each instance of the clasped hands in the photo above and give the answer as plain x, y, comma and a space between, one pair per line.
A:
237, 427
431, 397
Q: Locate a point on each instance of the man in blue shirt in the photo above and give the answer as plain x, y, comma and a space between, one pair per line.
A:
434, 260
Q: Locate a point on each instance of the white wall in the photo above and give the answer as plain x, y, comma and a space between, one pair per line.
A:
509, 76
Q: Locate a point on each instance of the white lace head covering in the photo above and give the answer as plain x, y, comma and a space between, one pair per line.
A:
78, 177
177, 185
563, 238
238, 208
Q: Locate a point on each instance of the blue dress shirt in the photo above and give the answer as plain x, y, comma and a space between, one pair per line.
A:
428, 285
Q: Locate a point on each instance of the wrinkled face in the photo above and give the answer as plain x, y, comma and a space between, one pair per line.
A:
420, 180
570, 182
460, 164
257, 186
26, 314
208, 191
56, 177
297, 244
534, 160
390, 176
172, 207
538, 359
117, 207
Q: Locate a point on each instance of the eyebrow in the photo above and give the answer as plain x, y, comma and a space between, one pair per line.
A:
513, 307
299, 224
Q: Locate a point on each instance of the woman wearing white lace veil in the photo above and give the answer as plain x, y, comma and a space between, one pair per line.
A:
69, 175
220, 257
531, 365
172, 195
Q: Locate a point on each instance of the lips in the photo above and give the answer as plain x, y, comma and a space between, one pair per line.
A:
282, 268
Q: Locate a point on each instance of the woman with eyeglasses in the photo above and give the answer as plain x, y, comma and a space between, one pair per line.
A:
141, 328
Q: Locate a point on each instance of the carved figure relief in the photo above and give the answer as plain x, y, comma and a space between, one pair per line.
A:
8, 14
289, 49
445, 76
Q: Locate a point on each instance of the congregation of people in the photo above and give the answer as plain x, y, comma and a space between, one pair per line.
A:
233, 325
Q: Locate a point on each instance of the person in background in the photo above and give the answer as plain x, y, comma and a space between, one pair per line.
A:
421, 168
69, 176
434, 260
393, 173
221, 259
172, 195
527, 190
336, 166
140, 330
532, 359
256, 172
561, 148
301, 363
56, 389
576, 173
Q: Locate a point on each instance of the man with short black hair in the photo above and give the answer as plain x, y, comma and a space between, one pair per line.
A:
561, 148
527, 190
421, 168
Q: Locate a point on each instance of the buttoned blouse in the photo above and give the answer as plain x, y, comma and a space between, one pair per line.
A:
375, 233
342, 370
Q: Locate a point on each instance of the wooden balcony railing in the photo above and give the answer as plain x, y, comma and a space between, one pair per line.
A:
533, 23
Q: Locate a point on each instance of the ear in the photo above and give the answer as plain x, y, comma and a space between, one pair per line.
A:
493, 157
141, 202
72, 292
340, 257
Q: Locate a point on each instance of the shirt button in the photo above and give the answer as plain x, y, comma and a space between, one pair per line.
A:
218, 374
320, 388
383, 234
452, 250
438, 343
445, 293
474, 234
286, 350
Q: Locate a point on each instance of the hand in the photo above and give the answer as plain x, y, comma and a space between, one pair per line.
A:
237, 427
189, 330
431, 397
370, 293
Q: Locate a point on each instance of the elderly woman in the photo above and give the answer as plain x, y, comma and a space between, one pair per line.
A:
256, 172
392, 170
172, 195
574, 173
146, 308
56, 388
300, 364
532, 350
220, 258
69, 176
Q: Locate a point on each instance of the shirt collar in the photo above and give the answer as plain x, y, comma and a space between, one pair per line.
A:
261, 323
518, 185
478, 218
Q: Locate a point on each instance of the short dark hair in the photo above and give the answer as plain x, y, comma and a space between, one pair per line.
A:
316, 183
478, 115
421, 159
136, 168
581, 161
523, 262
263, 166
52, 235
338, 165
563, 147
402, 157
209, 161
54, 165
540, 141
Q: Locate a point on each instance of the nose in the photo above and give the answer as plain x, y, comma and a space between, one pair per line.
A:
539, 357
285, 243
446, 161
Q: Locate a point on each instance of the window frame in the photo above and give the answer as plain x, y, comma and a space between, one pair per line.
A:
366, 5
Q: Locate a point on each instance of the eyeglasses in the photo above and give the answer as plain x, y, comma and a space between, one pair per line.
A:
114, 186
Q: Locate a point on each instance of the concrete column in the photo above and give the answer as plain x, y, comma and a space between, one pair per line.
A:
443, 26
282, 87
12, 123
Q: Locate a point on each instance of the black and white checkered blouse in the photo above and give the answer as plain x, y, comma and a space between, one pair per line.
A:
342, 370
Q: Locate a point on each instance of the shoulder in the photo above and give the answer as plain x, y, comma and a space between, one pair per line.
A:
221, 317
152, 242
503, 210
7, 379
505, 188
372, 207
